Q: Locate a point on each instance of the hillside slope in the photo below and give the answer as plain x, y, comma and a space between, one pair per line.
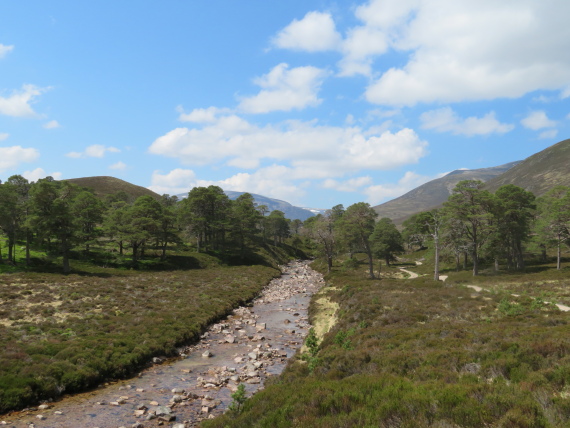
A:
540, 172
435, 192
105, 185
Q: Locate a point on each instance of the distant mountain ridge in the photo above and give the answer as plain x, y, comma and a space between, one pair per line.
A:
540, 172
291, 212
435, 192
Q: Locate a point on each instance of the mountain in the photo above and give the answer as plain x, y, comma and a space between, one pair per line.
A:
540, 172
290, 211
104, 185
435, 192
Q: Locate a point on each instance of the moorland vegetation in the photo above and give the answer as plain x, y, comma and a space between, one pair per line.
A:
484, 350
431, 353
93, 288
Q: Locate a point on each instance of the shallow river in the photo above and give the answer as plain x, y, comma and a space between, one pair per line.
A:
250, 345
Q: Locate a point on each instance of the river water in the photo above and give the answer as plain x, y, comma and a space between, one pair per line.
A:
250, 345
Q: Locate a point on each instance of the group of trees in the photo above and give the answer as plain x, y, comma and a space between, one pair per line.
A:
477, 224
354, 230
473, 225
58, 216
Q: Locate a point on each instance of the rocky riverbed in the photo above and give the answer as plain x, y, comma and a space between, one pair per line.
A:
252, 344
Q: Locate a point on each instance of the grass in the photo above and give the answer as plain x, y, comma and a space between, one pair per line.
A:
421, 353
65, 333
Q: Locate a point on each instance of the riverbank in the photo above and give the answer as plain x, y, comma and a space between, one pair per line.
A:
423, 353
250, 346
62, 334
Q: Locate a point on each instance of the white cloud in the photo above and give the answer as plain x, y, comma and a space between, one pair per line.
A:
537, 120
312, 151
200, 115
315, 32
551, 133
359, 47
4, 136
52, 124
380, 193
4, 49
285, 89
175, 182
119, 166
446, 120
38, 173
276, 181
350, 185
11, 157
93, 151
460, 51
18, 104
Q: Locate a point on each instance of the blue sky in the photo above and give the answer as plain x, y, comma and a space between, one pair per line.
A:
314, 102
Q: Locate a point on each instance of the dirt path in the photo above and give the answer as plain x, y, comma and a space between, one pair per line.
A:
409, 272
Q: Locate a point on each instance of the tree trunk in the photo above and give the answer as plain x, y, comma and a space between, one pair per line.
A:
11, 256
436, 267
520, 258
27, 248
65, 251
496, 264
135, 251
475, 262
558, 253
370, 259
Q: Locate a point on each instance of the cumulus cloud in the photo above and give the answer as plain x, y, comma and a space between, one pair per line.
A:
452, 51
313, 151
52, 124
359, 48
537, 120
93, 151
119, 166
175, 182
551, 133
4, 136
11, 157
379, 193
38, 173
276, 181
350, 185
446, 120
200, 115
4, 49
285, 89
315, 32
19, 103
